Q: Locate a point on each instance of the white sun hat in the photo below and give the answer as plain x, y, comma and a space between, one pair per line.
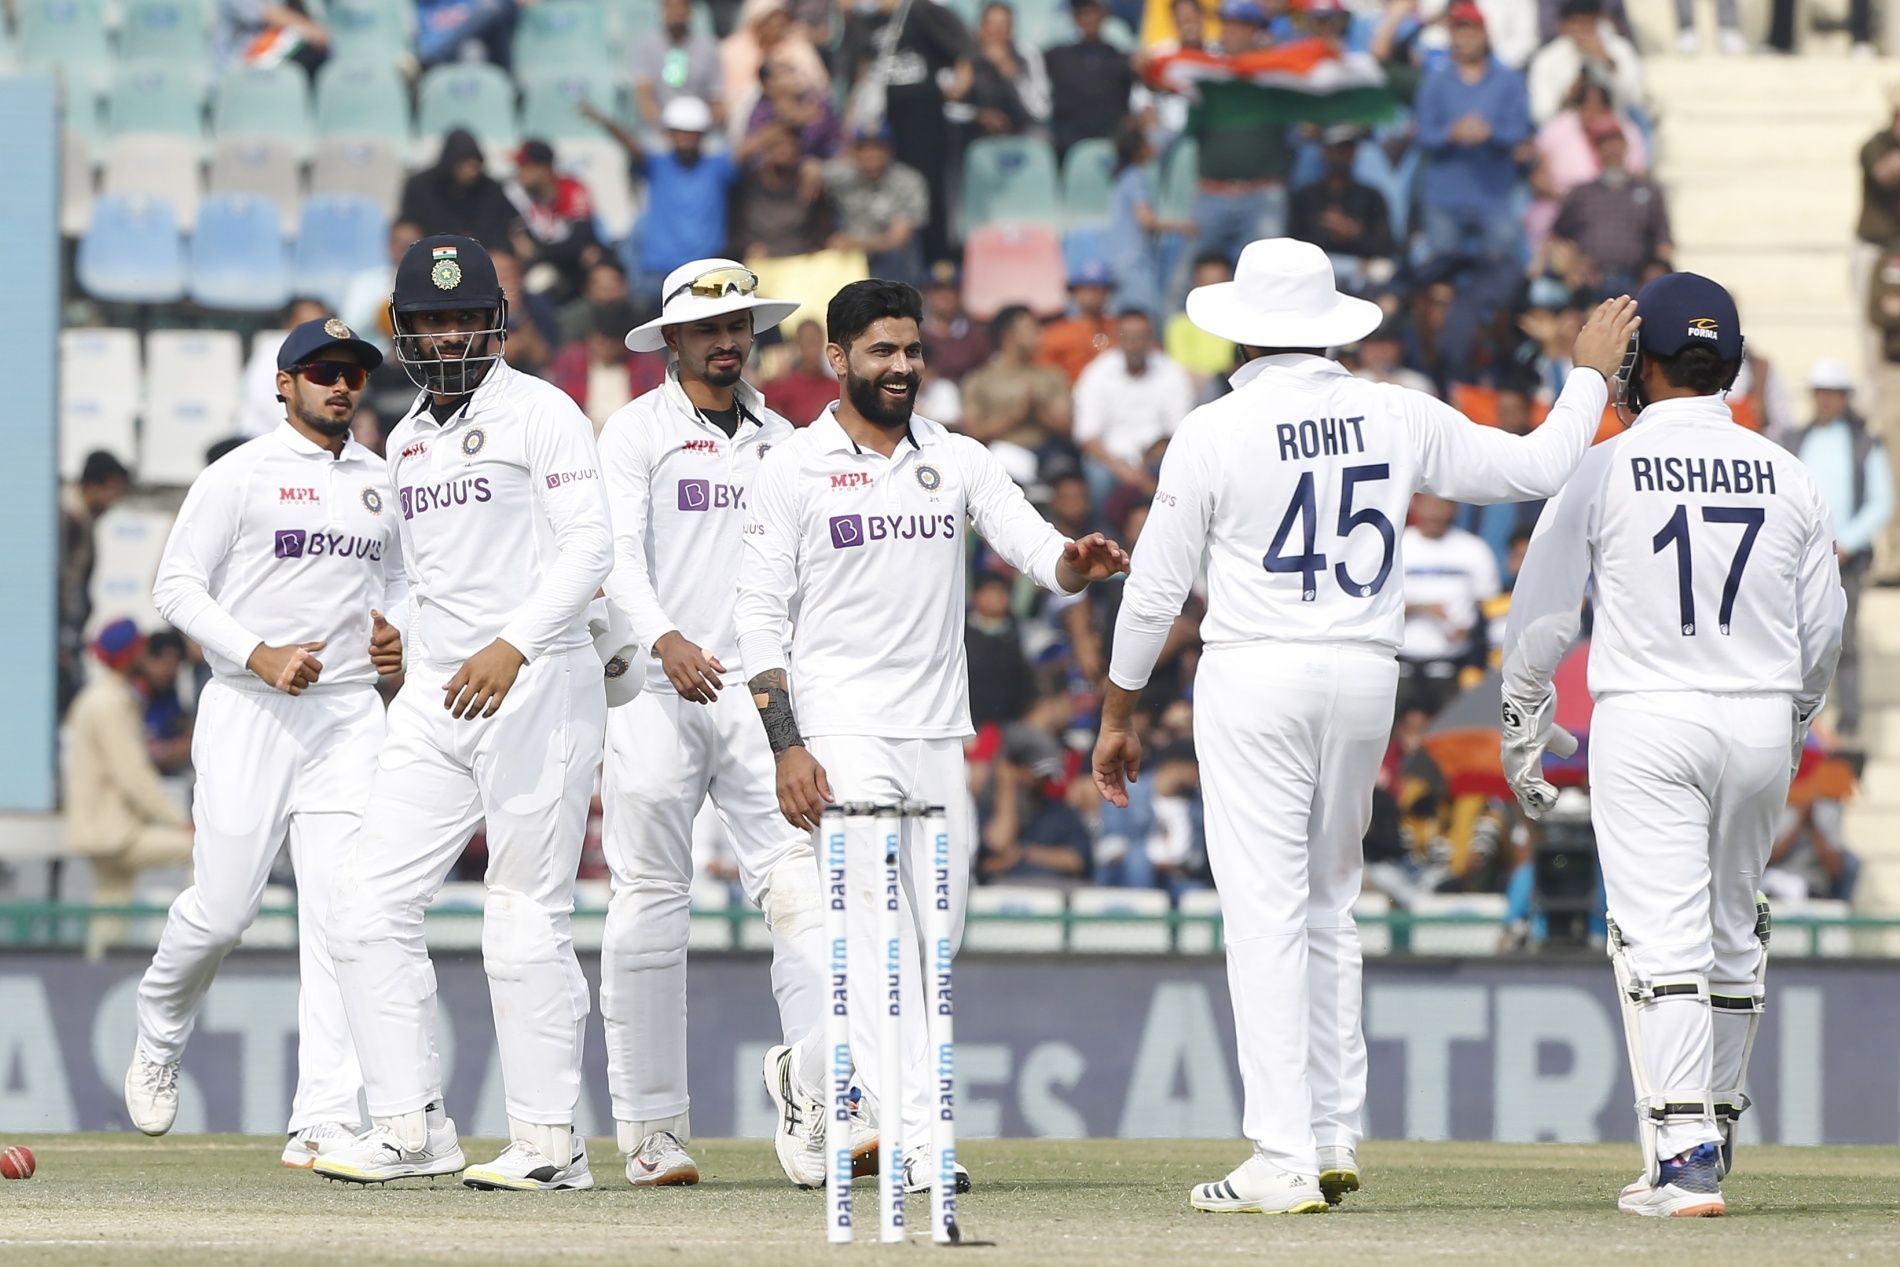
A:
1831, 376
708, 288
686, 114
1283, 296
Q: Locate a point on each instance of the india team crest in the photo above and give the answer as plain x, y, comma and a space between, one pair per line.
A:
335, 328
372, 501
763, 450
472, 442
617, 666
446, 271
929, 477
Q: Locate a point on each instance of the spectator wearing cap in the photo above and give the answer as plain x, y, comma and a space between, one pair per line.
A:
1345, 218
1511, 24
1135, 227
119, 813
1091, 82
1243, 158
881, 207
457, 195
598, 372
1015, 400
956, 344
1471, 119
557, 219
687, 191
1128, 402
1071, 343
800, 392
1007, 90
1586, 41
103, 483
1616, 223
675, 61
1852, 468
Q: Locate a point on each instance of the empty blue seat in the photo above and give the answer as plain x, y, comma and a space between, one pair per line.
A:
155, 98
1010, 180
238, 258
263, 101
550, 102
340, 236
363, 99
375, 31
63, 33
562, 34
473, 95
169, 31
132, 252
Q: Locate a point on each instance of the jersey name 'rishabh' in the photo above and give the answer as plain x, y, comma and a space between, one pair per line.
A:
1678, 474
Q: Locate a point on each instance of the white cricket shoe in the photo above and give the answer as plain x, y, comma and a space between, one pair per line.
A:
920, 1167
303, 1147
799, 1138
1257, 1186
377, 1156
1689, 1188
661, 1161
1338, 1172
524, 1168
151, 1094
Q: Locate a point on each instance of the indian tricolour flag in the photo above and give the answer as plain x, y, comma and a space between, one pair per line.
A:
1304, 81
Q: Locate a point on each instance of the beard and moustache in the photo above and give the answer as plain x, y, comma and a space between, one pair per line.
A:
322, 423
867, 397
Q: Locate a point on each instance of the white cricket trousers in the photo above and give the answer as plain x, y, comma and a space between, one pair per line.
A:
1289, 736
270, 767
665, 756
883, 772
528, 771
1685, 791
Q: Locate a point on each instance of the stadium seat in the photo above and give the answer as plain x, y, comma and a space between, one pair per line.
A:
173, 32
192, 380
363, 168
1009, 264
995, 900
77, 182
99, 388
1085, 245
1375, 935
129, 541
562, 35
601, 165
1200, 934
475, 96
155, 99
260, 165
1145, 931
369, 32
1793, 939
1010, 180
238, 259
263, 101
1088, 181
363, 100
82, 100
132, 252
65, 33
339, 237
629, 20
463, 930
1459, 939
156, 166
550, 103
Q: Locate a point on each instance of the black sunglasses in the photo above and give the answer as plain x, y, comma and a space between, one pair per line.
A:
326, 373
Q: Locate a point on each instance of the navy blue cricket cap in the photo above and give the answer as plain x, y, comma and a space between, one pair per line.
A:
309, 341
445, 273
1683, 310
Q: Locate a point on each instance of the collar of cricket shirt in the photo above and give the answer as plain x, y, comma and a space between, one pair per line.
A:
1691, 410
751, 404
303, 446
1296, 362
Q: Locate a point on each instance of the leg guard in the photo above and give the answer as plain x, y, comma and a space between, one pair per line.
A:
630, 1135
794, 915
1642, 1000
540, 1002
1737, 1018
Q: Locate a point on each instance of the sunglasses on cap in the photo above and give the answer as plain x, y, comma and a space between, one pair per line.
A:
717, 284
326, 373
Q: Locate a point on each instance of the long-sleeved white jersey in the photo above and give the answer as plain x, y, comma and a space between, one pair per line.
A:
1297, 484
865, 555
504, 520
677, 486
279, 542
1713, 554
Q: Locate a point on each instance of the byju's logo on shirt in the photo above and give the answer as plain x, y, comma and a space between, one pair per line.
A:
848, 531
296, 543
419, 499
571, 477
706, 495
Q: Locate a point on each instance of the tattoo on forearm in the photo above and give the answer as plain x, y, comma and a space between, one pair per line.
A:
773, 695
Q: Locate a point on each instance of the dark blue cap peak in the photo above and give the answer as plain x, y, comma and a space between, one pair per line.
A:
310, 340
1683, 310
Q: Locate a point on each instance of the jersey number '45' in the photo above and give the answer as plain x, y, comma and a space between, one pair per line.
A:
1311, 561
1676, 533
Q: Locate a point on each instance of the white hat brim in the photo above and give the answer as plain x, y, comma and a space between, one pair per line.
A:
1221, 310
766, 314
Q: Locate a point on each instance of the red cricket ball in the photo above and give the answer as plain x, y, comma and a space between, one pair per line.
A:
17, 1162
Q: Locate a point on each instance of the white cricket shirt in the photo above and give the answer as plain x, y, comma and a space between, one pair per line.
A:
1459, 573
1129, 412
1297, 484
677, 488
865, 555
279, 542
504, 520
1713, 554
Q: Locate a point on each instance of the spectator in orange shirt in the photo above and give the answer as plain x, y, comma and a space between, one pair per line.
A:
1071, 343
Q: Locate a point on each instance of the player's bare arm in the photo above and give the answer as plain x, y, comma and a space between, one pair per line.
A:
290, 668
483, 681
693, 673
385, 645
1117, 760
803, 789
1093, 558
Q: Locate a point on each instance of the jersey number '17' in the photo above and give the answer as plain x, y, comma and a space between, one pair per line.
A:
1310, 561
1676, 533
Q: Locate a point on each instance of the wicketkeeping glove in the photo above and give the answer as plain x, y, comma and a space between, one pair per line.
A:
1528, 733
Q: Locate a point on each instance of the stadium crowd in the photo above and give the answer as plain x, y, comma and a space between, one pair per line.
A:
1500, 189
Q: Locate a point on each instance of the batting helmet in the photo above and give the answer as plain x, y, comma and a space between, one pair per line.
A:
447, 273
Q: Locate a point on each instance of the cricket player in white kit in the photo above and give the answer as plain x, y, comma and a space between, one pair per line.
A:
506, 538
1297, 484
282, 564
857, 538
1718, 623
678, 463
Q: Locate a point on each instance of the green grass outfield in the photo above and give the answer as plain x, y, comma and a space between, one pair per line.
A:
123, 1199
